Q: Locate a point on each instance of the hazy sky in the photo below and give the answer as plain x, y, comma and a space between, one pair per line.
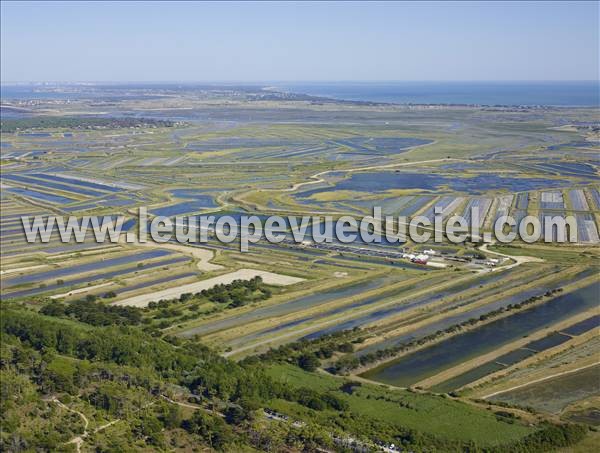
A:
298, 41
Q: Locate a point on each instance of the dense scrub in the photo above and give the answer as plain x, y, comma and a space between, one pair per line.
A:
238, 292
95, 313
46, 122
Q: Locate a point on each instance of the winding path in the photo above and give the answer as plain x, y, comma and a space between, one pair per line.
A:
518, 260
203, 255
318, 176
77, 440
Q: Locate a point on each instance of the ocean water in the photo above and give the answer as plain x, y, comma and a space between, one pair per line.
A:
573, 93
577, 93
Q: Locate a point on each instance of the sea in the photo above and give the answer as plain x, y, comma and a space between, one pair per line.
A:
565, 94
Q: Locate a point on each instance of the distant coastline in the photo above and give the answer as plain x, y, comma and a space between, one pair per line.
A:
548, 94
478, 94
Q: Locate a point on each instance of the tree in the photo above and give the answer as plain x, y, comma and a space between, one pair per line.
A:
309, 362
234, 415
212, 429
346, 347
171, 416
149, 428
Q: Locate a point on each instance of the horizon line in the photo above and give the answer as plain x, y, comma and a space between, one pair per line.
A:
230, 81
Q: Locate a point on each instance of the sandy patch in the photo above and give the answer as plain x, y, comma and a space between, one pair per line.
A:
22, 269
269, 278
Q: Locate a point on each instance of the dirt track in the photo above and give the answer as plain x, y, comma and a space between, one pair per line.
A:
202, 255
518, 259
317, 178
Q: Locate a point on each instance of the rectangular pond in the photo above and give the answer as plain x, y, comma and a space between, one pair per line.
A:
185, 207
399, 308
77, 182
460, 348
94, 277
583, 326
334, 311
501, 362
578, 200
53, 185
40, 196
291, 306
87, 267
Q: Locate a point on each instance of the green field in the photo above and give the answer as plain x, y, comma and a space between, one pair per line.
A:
438, 416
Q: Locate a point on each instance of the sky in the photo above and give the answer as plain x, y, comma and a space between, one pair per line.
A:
154, 41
